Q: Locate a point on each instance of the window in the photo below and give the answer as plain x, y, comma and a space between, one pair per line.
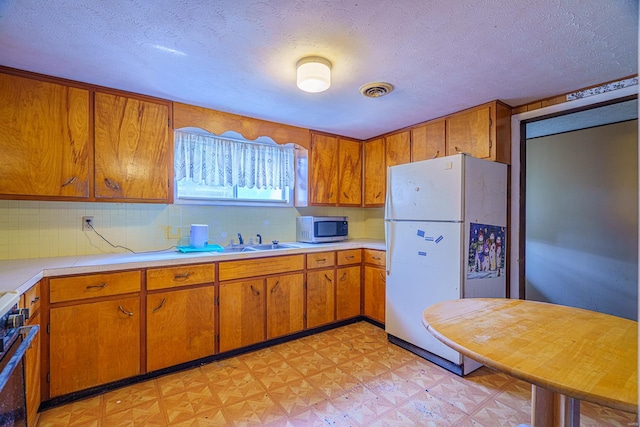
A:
212, 169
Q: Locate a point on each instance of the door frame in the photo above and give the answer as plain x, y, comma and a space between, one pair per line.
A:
518, 139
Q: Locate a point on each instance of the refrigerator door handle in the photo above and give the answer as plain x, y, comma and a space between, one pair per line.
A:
387, 202
387, 234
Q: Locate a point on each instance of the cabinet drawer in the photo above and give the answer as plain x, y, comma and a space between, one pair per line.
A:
260, 267
171, 277
93, 285
351, 256
321, 260
372, 256
31, 299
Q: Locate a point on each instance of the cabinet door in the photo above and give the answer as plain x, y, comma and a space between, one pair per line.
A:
180, 326
44, 139
132, 150
32, 375
347, 292
285, 305
398, 148
375, 173
242, 314
350, 179
470, 132
428, 141
323, 161
93, 344
320, 297
374, 293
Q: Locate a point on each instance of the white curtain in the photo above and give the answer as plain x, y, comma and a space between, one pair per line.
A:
217, 161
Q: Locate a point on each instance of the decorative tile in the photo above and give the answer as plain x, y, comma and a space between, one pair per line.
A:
592, 415
489, 379
276, 375
322, 414
394, 418
367, 343
392, 356
497, 414
223, 369
392, 387
466, 396
213, 417
186, 405
363, 405
333, 382
81, 413
236, 388
427, 410
297, 396
131, 396
422, 373
181, 381
258, 410
311, 363
147, 414
260, 358
292, 349
363, 368
340, 353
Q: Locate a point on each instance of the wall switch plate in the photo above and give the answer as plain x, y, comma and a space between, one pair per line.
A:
87, 223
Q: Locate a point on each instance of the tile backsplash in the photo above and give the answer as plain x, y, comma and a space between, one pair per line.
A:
35, 229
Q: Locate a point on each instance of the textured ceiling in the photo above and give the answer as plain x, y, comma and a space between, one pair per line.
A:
239, 56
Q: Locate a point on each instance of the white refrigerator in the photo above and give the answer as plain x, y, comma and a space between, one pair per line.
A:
445, 232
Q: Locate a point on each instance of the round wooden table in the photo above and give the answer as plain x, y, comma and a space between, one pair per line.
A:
567, 354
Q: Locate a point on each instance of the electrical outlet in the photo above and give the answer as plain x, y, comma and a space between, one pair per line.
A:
87, 223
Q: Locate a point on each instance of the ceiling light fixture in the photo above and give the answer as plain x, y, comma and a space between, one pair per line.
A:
314, 74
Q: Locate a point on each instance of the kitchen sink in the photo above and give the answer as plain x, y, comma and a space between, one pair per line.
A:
256, 248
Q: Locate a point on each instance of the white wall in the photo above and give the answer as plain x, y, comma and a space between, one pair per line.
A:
582, 219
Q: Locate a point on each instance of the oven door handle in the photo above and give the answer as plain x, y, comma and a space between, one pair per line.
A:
18, 355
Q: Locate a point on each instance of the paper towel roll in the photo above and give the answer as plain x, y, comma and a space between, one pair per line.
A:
199, 236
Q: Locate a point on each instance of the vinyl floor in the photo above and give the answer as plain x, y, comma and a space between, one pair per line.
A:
348, 376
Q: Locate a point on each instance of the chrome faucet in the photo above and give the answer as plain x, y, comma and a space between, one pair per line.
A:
259, 239
240, 239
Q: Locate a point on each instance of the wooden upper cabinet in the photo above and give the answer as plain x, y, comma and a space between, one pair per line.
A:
398, 148
428, 141
132, 149
375, 172
483, 132
470, 132
350, 178
323, 161
44, 139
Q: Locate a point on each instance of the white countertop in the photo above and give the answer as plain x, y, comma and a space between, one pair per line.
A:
19, 275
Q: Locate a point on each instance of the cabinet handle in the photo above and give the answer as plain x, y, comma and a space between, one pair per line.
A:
344, 276
128, 313
377, 258
69, 181
458, 150
321, 260
346, 196
382, 277
436, 155
378, 195
331, 194
350, 257
275, 286
254, 290
35, 300
111, 185
104, 285
328, 278
158, 307
182, 276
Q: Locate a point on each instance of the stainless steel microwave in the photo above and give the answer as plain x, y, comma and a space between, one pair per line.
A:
322, 229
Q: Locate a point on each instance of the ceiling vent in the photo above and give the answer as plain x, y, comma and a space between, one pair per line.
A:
376, 90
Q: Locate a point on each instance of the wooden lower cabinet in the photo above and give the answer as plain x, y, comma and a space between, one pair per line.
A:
242, 313
374, 293
285, 304
347, 292
180, 326
93, 343
320, 297
32, 375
